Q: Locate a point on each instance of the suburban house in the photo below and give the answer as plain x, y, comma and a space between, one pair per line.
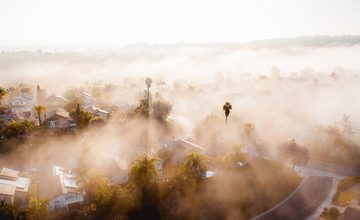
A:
23, 103
98, 112
114, 168
55, 101
87, 99
59, 119
175, 150
117, 169
12, 186
65, 186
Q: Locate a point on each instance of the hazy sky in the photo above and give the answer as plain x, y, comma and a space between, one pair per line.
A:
108, 22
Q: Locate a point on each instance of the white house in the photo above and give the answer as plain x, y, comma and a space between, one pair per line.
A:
12, 186
67, 190
175, 150
55, 101
98, 112
23, 103
87, 99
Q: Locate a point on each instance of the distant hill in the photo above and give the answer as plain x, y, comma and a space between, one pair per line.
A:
306, 41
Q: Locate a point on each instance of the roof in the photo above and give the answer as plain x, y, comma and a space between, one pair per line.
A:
9, 172
20, 183
186, 145
58, 112
56, 98
94, 110
68, 180
7, 189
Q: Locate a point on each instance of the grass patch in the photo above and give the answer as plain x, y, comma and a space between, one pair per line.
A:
344, 198
347, 183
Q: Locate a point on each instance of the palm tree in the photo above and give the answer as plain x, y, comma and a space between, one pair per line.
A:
148, 82
227, 107
195, 165
144, 171
39, 109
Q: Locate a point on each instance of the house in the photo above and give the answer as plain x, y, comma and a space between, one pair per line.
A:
175, 150
66, 195
23, 103
117, 169
59, 119
98, 112
55, 101
12, 186
113, 168
87, 99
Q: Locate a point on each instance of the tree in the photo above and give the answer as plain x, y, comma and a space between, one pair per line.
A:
333, 213
195, 166
3, 92
249, 130
97, 188
161, 109
346, 126
143, 175
82, 117
17, 129
40, 110
148, 82
7, 211
40, 95
37, 208
143, 172
227, 107
294, 153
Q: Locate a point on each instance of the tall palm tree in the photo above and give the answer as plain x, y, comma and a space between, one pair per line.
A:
40, 110
148, 82
195, 165
144, 171
227, 107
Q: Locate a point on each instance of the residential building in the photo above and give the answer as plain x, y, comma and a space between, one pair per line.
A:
175, 150
98, 112
59, 119
23, 103
87, 99
55, 101
13, 186
65, 185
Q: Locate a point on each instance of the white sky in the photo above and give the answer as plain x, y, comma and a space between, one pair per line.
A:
109, 22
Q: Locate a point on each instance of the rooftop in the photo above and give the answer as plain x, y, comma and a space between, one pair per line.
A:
9, 172
21, 184
68, 180
6, 189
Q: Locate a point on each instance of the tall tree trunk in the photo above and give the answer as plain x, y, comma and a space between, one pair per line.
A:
39, 116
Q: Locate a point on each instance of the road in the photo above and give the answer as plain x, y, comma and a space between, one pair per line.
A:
302, 202
307, 200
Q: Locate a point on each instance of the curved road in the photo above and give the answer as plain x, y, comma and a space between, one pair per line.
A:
302, 202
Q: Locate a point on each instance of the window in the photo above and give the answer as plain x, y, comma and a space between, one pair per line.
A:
69, 196
52, 124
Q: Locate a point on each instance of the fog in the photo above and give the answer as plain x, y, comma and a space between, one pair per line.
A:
285, 92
